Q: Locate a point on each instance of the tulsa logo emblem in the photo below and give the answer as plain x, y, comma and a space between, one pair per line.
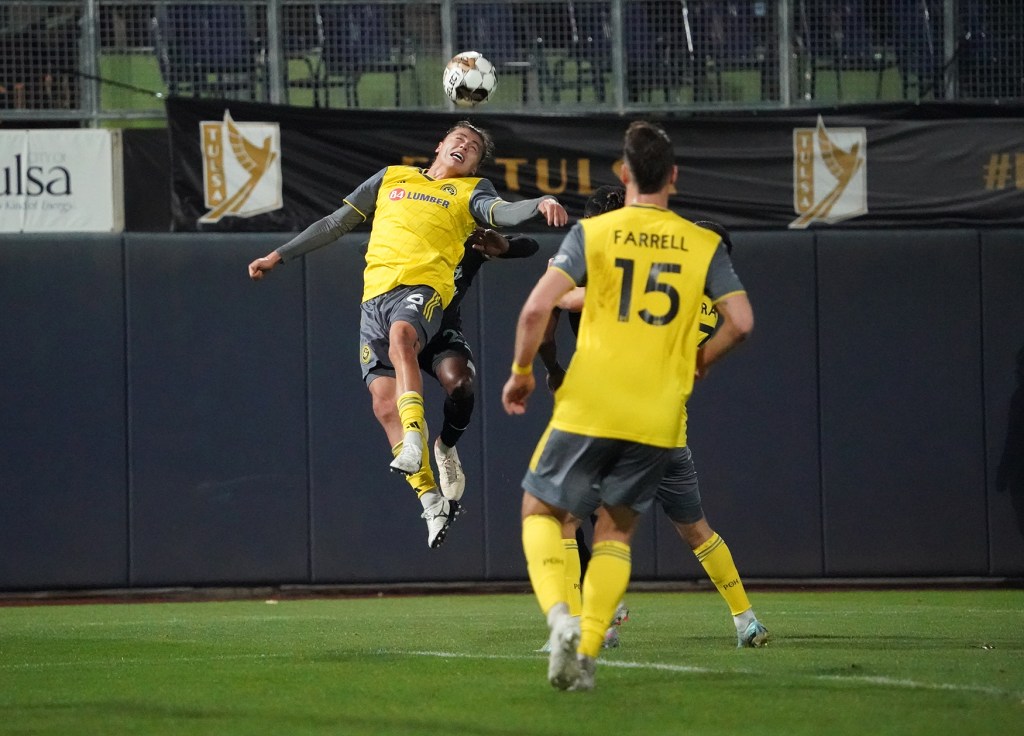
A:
241, 168
829, 174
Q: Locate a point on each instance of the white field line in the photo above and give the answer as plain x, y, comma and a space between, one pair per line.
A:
688, 669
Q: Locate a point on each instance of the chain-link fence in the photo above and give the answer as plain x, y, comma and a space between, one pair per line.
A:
101, 61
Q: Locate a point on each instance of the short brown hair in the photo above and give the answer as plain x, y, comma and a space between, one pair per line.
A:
648, 153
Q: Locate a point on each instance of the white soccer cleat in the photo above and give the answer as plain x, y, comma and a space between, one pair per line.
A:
563, 667
611, 636
754, 636
439, 517
588, 667
449, 473
409, 460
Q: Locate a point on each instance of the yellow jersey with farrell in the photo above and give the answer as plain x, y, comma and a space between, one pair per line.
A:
646, 270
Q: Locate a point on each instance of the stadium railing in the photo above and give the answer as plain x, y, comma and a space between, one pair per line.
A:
111, 62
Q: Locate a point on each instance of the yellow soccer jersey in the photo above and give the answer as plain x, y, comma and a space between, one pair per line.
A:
708, 320
419, 228
645, 270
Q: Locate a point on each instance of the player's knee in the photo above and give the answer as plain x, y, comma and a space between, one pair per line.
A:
385, 409
461, 387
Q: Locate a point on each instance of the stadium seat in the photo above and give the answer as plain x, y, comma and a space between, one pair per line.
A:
357, 40
835, 35
501, 35
208, 50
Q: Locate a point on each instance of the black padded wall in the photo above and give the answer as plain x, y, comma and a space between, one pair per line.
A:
1002, 278
901, 403
753, 422
509, 441
169, 422
217, 413
63, 487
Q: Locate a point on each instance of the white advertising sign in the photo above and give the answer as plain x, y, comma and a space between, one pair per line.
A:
61, 181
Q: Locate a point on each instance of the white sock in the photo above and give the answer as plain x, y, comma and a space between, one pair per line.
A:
442, 447
743, 620
412, 437
556, 612
430, 498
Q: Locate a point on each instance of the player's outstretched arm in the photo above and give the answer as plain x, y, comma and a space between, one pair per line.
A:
488, 207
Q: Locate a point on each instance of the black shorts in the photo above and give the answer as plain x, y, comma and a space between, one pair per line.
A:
447, 343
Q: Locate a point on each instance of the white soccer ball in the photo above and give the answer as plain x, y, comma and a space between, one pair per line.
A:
469, 79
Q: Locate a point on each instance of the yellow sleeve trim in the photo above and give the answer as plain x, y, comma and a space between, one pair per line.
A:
361, 213
726, 296
571, 279
490, 212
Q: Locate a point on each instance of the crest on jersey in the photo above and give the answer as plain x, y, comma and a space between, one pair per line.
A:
241, 168
449, 189
829, 174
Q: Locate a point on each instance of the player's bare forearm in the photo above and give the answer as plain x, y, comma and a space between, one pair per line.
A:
529, 333
737, 323
573, 301
548, 352
533, 321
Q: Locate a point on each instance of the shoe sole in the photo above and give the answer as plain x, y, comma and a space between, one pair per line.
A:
396, 468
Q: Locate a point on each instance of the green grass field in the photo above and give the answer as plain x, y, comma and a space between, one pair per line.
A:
847, 662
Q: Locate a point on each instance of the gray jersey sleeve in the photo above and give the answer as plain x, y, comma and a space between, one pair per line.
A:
722, 279
490, 209
358, 208
570, 257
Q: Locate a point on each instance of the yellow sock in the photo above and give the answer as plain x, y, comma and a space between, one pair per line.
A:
423, 479
716, 558
545, 559
410, 411
573, 586
603, 587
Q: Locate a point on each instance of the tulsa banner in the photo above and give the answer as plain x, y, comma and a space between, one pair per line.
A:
240, 166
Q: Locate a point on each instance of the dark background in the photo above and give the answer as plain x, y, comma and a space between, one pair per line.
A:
169, 422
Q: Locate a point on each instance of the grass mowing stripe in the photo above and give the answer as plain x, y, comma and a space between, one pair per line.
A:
137, 660
689, 669
658, 666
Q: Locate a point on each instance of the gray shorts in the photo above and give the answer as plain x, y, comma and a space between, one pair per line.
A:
447, 343
678, 493
420, 306
579, 473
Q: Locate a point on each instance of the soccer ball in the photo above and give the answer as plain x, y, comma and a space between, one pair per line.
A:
469, 79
